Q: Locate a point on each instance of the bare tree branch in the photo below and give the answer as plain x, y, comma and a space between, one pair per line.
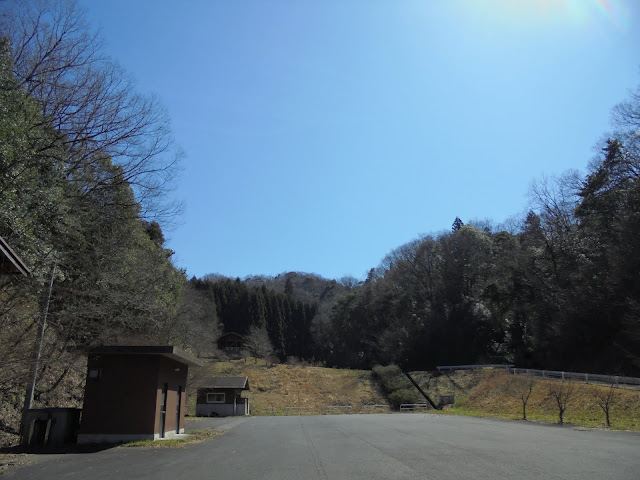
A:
91, 101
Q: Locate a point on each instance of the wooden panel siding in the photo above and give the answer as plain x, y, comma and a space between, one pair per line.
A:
123, 393
121, 400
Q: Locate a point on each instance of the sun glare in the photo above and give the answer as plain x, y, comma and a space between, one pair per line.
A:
581, 13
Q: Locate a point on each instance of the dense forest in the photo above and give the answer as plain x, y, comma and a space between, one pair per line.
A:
239, 307
86, 164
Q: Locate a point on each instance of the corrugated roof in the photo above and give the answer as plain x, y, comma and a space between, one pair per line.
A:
227, 382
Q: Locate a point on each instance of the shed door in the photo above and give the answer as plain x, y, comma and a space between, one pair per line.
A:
163, 409
178, 405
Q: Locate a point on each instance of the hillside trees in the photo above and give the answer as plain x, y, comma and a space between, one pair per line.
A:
95, 159
252, 310
30, 195
82, 168
559, 293
65, 206
90, 101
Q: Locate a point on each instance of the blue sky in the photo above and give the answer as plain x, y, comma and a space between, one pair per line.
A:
321, 135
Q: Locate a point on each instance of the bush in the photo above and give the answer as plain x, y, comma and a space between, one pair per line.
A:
404, 395
390, 378
395, 385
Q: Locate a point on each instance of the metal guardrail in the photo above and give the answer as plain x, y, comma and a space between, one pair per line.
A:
413, 406
585, 377
300, 408
471, 367
376, 406
337, 407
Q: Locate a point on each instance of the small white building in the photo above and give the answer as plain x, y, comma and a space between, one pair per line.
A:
222, 397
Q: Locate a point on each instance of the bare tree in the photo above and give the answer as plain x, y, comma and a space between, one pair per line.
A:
349, 282
560, 393
604, 399
257, 341
521, 388
90, 100
627, 114
196, 325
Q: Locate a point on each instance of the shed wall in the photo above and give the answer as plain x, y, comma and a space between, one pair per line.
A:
122, 399
124, 402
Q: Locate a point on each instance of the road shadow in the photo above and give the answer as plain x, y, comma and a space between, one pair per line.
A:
69, 448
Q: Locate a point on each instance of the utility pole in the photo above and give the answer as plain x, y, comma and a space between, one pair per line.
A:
31, 388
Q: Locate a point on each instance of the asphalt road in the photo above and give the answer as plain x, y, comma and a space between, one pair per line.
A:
400, 446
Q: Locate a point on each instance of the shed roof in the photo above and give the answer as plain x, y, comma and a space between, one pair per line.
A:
10, 262
241, 383
168, 351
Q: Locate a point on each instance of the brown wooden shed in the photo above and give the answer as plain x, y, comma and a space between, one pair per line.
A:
134, 393
222, 397
231, 341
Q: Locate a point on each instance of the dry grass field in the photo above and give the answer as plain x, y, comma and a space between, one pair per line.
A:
493, 393
296, 389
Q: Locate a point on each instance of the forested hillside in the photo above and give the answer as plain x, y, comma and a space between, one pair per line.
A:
246, 310
85, 165
561, 290
308, 287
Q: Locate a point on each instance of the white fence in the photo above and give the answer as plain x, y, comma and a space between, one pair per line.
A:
337, 408
414, 406
472, 367
300, 409
583, 377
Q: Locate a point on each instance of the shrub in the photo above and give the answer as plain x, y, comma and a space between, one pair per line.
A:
404, 395
395, 385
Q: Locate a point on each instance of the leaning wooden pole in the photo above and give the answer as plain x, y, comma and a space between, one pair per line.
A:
31, 388
421, 391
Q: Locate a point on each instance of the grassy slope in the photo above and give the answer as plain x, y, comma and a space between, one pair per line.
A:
276, 387
486, 393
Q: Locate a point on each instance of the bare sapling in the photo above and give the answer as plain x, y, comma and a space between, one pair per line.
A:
521, 388
604, 398
560, 393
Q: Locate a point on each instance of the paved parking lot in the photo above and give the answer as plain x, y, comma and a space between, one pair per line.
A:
400, 446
